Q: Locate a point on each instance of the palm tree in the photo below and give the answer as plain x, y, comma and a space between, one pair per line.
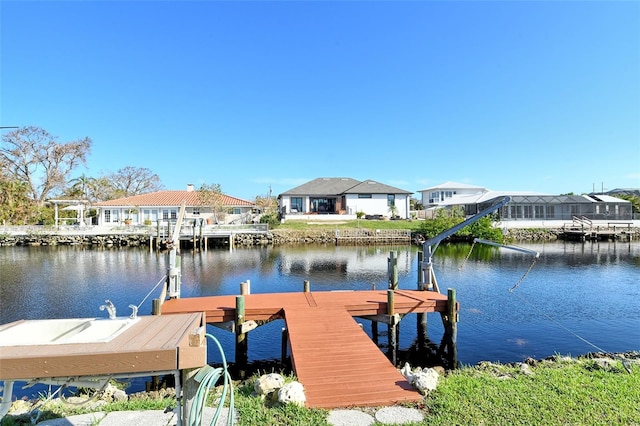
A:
82, 187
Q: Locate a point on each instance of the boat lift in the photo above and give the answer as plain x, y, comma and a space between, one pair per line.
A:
427, 277
173, 273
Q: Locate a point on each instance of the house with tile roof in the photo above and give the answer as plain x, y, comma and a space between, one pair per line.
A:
147, 209
343, 198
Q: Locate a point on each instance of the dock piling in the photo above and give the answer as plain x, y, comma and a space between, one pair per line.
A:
285, 343
392, 266
242, 344
450, 321
421, 317
392, 325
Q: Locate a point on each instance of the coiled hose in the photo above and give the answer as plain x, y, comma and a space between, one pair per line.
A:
208, 376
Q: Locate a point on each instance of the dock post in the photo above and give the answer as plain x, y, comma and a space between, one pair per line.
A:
157, 234
392, 327
451, 327
245, 288
193, 235
201, 233
241, 338
374, 331
392, 266
189, 394
283, 348
156, 308
306, 286
421, 317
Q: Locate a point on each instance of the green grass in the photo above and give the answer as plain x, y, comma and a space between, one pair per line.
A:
574, 392
559, 393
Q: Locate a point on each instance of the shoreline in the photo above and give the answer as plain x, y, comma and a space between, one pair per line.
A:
275, 237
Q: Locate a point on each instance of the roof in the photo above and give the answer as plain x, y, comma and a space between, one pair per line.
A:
607, 198
454, 185
342, 185
323, 186
373, 187
170, 198
534, 198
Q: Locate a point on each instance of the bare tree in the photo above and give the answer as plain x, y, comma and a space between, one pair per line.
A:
131, 180
211, 196
32, 156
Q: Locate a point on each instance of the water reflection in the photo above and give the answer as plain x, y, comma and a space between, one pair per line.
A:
573, 289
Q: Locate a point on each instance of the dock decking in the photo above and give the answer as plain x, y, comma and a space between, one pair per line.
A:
334, 359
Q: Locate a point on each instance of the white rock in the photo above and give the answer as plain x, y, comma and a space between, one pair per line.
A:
426, 380
112, 393
406, 372
267, 383
292, 393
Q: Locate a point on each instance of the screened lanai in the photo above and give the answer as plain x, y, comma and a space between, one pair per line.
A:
559, 207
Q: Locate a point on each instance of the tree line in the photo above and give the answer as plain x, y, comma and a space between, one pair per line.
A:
35, 167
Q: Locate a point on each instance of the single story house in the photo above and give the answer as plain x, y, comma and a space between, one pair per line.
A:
527, 205
147, 209
325, 198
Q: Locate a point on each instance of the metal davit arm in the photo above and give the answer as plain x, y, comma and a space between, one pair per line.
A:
515, 248
428, 278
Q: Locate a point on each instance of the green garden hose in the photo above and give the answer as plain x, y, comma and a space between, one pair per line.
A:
208, 376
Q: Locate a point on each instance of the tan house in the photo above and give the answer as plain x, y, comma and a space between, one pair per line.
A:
148, 209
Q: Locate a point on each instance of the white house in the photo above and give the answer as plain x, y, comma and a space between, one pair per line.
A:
450, 193
145, 209
343, 198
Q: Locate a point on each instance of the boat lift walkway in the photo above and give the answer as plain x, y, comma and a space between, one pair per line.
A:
333, 357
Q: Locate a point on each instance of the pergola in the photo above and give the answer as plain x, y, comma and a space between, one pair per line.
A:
78, 205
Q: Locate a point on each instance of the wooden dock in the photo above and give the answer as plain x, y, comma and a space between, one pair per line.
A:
596, 233
332, 356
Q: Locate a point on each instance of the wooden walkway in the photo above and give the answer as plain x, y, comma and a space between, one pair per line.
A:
334, 359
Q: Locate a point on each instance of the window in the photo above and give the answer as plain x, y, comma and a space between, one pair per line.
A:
527, 212
391, 200
364, 195
296, 204
237, 210
322, 205
169, 214
551, 212
433, 198
539, 212
107, 216
149, 215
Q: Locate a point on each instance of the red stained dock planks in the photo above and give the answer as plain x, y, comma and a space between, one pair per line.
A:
334, 359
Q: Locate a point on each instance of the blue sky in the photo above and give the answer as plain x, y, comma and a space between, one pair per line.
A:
511, 95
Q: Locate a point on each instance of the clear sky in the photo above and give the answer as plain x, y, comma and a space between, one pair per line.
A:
511, 95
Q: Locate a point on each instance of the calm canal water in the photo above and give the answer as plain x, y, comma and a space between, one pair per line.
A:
578, 298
